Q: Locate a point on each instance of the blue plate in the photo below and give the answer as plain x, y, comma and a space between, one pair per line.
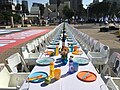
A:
51, 46
54, 43
44, 61
81, 60
44, 75
74, 43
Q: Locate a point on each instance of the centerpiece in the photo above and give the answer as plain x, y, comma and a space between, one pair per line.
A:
64, 53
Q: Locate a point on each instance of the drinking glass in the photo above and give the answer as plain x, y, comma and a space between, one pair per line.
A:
57, 74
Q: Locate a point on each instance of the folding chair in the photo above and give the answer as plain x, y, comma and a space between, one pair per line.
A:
11, 81
29, 58
111, 72
100, 58
17, 63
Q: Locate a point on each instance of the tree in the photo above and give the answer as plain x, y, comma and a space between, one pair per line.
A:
18, 7
68, 12
7, 18
41, 9
17, 18
81, 11
99, 9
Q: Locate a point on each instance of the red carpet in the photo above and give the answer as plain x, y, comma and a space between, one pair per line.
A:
12, 40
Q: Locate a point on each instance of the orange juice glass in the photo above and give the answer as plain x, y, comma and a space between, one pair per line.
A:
75, 48
57, 74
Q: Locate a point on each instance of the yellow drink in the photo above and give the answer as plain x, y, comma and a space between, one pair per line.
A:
51, 70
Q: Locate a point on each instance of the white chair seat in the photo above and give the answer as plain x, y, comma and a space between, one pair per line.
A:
99, 58
113, 83
8, 81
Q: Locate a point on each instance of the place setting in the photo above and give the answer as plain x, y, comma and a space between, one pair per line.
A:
86, 76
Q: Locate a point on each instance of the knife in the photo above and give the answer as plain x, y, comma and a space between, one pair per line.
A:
86, 74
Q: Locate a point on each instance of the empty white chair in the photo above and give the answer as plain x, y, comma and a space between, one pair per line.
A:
31, 47
17, 63
30, 58
113, 83
96, 46
11, 81
99, 58
111, 72
112, 68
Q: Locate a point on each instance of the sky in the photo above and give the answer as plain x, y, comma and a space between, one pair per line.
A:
85, 2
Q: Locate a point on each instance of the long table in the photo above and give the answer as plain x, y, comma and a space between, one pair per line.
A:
68, 81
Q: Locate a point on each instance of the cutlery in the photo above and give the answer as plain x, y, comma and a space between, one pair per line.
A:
86, 74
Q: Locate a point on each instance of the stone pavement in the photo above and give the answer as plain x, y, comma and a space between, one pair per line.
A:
108, 38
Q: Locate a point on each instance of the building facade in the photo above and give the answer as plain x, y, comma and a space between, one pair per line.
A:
55, 1
75, 4
25, 7
6, 5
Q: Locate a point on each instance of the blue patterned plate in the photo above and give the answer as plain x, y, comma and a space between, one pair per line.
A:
81, 60
54, 43
37, 77
44, 61
51, 46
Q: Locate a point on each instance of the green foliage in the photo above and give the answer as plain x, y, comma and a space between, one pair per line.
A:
81, 11
1, 17
42, 9
18, 7
16, 17
102, 9
68, 12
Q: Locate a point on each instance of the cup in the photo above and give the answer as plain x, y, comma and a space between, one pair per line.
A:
75, 48
75, 64
57, 74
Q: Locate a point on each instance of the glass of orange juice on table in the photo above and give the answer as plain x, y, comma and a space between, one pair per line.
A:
57, 74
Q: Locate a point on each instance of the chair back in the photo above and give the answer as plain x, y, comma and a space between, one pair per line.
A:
14, 60
104, 50
113, 66
24, 52
96, 46
91, 44
31, 47
115, 61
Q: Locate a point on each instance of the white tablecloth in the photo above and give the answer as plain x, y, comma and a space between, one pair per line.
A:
67, 82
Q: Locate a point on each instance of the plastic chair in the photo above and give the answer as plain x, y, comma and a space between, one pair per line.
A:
113, 83
112, 68
99, 58
11, 81
30, 58
111, 72
31, 47
17, 63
